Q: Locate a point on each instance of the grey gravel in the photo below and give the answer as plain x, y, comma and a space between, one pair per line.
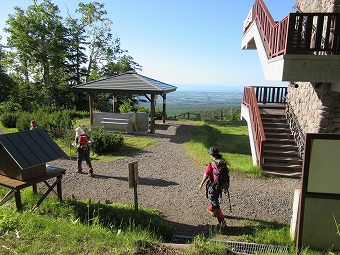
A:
169, 183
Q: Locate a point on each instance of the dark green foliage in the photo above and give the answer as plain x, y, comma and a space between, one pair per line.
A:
68, 138
212, 114
24, 121
9, 107
158, 114
9, 120
50, 53
78, 114
105, 142
56, 123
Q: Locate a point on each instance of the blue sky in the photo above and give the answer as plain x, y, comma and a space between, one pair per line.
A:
186, 43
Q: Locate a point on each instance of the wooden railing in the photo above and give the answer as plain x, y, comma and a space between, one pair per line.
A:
252, 96
274, 95
298, 33
250, 100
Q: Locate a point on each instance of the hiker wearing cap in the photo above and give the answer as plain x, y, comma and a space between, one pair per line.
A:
213, 193
83, 142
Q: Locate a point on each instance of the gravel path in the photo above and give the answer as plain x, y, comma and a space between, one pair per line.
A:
169, 183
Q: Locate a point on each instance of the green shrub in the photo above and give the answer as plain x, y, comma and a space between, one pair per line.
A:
9, 119
24, 121
78, 114
125, 107
158, 113
105, 142
141, 108
9, 107
56, 123
68, 138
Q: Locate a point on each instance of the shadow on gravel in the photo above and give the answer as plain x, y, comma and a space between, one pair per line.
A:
161, 127
209, 230
236, 227
142, 181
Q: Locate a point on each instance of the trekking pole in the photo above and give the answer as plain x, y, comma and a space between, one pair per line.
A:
229, 199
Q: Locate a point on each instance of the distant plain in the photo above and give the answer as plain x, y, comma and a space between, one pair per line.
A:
198, 101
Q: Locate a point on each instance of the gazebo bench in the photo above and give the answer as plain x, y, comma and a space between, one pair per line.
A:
115, 124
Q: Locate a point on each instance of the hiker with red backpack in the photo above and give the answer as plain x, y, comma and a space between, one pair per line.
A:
217, 176
34, 125
82, 142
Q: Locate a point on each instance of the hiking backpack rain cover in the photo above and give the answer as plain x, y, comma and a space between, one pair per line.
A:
221, 174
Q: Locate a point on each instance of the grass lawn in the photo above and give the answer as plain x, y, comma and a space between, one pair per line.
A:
81, 227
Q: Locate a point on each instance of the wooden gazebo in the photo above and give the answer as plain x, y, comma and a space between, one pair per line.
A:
128, 83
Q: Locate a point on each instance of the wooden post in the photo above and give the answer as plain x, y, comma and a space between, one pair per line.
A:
152, 122
114, 103
164, 108
91, 108
134, 180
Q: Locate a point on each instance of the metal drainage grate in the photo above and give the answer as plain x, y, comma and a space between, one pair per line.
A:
241, 247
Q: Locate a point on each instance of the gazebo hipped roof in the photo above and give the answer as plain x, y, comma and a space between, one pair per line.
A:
127, 83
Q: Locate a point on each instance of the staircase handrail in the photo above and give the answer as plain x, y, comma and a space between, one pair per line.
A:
295, 128
278, 37
250, 100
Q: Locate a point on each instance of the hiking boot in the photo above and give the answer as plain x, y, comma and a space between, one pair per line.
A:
79, 170
90, 172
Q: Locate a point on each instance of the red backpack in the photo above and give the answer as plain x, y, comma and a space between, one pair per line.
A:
82, 140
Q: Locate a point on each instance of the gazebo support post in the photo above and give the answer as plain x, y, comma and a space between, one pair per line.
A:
91, 108
114, 103
152, 122
164, 108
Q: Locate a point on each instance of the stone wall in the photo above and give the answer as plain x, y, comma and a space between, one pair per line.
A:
318, 5
316, 107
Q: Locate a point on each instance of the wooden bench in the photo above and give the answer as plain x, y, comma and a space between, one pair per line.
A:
109, 123
16, 185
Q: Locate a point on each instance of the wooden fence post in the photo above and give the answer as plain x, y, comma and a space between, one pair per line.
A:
134, 180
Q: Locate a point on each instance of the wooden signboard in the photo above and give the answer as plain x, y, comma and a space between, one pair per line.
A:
319, 210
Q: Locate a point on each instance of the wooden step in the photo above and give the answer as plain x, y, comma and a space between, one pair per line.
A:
275, 125
274, 120
285, 153
278, 135
280, 147
282, 167
283, 159
280, 141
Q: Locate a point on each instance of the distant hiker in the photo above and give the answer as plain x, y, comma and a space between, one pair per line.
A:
82, 142
34, 125
214, 172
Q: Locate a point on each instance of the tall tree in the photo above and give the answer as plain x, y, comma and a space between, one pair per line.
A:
38, 37
100, 42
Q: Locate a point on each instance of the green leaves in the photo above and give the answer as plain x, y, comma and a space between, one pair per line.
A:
50, 54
